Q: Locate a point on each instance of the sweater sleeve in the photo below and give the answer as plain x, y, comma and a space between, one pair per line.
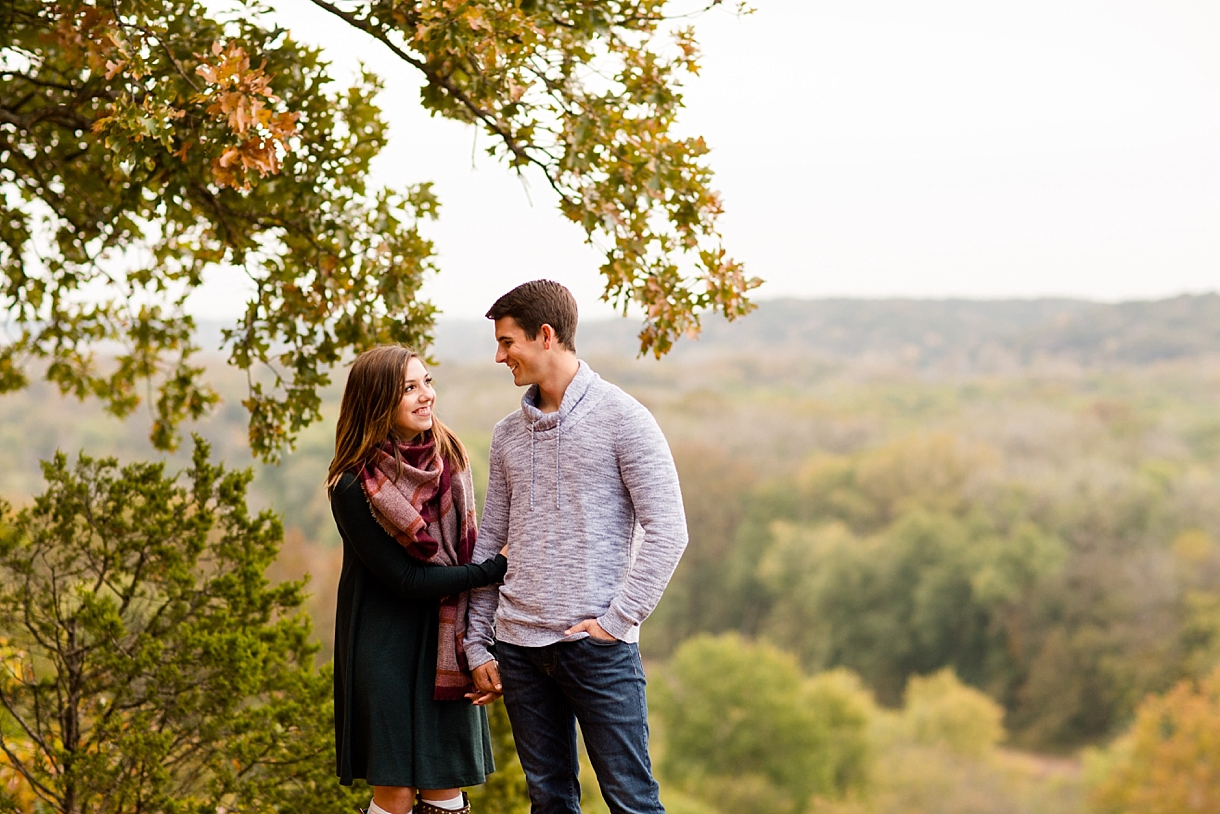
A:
390, 564
493, 534
647, 469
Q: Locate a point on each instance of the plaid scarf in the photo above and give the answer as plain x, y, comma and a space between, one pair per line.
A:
431, 514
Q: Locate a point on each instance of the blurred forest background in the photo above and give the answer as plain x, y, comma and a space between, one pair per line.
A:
944, 554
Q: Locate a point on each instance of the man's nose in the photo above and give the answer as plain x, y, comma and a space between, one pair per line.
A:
500, 356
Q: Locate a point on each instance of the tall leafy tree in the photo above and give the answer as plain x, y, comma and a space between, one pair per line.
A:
146, 664
144, 142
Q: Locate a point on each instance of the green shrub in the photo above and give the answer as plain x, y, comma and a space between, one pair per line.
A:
148, 663
747, 731
941, 710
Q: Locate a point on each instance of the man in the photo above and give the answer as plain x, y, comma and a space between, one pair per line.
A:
582, 488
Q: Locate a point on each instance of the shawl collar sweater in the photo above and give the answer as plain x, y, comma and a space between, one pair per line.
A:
587, 500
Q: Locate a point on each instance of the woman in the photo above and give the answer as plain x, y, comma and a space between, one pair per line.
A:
402, 496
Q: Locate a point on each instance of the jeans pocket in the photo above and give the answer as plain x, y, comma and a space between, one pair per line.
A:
602, 642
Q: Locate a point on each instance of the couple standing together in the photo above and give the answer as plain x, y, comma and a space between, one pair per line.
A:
582, 529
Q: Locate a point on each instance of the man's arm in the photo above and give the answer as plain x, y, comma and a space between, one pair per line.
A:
493, 534
647, 469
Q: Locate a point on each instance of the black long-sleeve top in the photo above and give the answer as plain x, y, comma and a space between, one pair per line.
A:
386, 623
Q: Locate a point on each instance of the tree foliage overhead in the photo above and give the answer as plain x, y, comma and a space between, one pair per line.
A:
588, 93
137, 152
146, 664
144, 143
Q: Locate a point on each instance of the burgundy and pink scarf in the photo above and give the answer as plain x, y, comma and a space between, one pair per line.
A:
430, 512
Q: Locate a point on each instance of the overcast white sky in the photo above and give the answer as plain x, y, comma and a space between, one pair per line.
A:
881, 148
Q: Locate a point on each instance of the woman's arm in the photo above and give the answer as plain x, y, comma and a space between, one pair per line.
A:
389, 562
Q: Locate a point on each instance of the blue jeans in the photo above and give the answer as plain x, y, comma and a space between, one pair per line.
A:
601, 685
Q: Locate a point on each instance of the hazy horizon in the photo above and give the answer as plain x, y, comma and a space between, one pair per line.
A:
875, 149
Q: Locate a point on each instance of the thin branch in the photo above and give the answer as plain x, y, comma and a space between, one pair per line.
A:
33, 80
56, 114
486, 117
43, 792
30, 732
164, 45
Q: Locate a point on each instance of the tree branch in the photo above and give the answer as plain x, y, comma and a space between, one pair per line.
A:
42, 83
56, 114
42, 791
25, 727
486, 117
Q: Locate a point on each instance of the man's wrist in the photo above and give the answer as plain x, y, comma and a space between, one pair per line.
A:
477, 656
616, 624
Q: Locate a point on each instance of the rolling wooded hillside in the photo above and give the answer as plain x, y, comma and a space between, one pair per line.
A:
950, 335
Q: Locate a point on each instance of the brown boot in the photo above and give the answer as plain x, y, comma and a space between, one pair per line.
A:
424, 807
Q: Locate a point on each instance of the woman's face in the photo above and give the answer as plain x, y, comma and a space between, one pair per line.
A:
414, 413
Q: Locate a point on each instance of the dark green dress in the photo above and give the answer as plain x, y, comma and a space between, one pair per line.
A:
388, 730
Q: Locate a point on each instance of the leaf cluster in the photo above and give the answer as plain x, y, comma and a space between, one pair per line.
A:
143, 144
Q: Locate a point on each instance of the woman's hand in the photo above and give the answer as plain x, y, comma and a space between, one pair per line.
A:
487, 683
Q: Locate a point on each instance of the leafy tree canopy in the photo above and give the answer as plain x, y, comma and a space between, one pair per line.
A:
144, 142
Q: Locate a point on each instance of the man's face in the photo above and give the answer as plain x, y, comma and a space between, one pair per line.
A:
525, 357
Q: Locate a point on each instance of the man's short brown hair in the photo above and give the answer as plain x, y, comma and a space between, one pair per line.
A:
538, 303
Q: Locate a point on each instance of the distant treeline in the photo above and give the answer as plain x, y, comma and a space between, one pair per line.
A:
963, 336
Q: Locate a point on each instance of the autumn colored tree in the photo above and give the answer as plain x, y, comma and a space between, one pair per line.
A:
1169, 762
146, 664
144, 142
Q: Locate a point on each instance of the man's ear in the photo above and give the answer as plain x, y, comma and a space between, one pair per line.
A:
548, 336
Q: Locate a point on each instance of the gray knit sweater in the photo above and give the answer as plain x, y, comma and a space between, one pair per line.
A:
587, 499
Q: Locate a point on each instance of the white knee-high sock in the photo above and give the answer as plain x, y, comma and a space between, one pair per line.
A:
452, 804
376, 809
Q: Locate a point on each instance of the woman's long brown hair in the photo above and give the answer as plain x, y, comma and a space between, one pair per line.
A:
371, 397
